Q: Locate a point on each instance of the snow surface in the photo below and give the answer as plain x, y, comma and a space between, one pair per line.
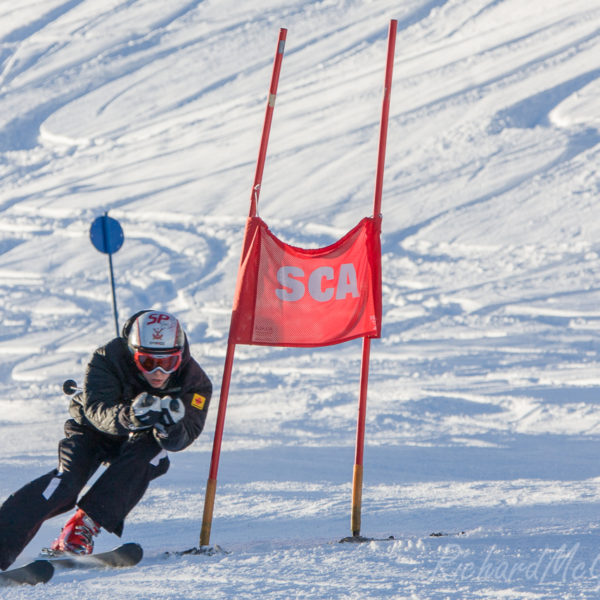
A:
484, 407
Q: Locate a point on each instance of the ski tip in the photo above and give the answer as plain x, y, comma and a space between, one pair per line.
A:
44, 570
130, 547
38, 571
130, 553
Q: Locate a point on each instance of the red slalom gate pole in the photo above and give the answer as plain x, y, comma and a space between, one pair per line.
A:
357, 476
357, 479
262, 153
211, 485
385, 113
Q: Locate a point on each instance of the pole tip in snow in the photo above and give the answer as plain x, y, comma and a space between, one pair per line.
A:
359, 539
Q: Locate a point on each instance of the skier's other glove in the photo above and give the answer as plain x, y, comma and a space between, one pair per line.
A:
173, 410
145, 411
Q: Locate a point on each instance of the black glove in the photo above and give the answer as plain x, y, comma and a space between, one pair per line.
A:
172, 411
145, 412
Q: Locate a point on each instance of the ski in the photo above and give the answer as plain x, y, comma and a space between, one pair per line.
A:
38, 571
126, 555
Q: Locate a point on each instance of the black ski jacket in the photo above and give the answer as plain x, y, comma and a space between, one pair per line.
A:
112, 381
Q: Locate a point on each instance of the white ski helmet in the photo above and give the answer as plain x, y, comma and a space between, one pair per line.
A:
156, 332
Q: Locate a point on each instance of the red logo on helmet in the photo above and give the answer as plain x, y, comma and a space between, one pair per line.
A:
157, 318
157, 335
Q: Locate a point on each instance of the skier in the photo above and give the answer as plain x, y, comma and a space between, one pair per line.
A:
143, 395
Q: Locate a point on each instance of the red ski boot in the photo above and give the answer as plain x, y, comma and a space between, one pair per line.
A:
77, 535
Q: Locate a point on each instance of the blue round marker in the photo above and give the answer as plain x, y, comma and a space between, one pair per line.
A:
106, 234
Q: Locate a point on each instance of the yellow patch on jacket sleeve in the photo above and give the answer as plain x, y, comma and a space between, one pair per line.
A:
198, 401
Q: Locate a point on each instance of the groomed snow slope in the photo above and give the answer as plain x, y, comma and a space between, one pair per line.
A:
483, 414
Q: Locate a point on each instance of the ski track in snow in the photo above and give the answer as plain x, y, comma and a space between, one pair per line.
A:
483, 421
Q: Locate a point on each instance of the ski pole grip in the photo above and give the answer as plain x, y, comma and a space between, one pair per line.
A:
70, 387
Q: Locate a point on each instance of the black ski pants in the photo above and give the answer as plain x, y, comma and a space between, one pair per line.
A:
132, 463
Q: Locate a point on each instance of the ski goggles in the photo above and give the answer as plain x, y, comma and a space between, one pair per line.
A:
147, 362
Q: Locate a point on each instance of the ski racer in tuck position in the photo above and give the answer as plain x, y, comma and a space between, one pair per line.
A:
143, 395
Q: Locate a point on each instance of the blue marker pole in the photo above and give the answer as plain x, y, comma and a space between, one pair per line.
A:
106, 233
107, 237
